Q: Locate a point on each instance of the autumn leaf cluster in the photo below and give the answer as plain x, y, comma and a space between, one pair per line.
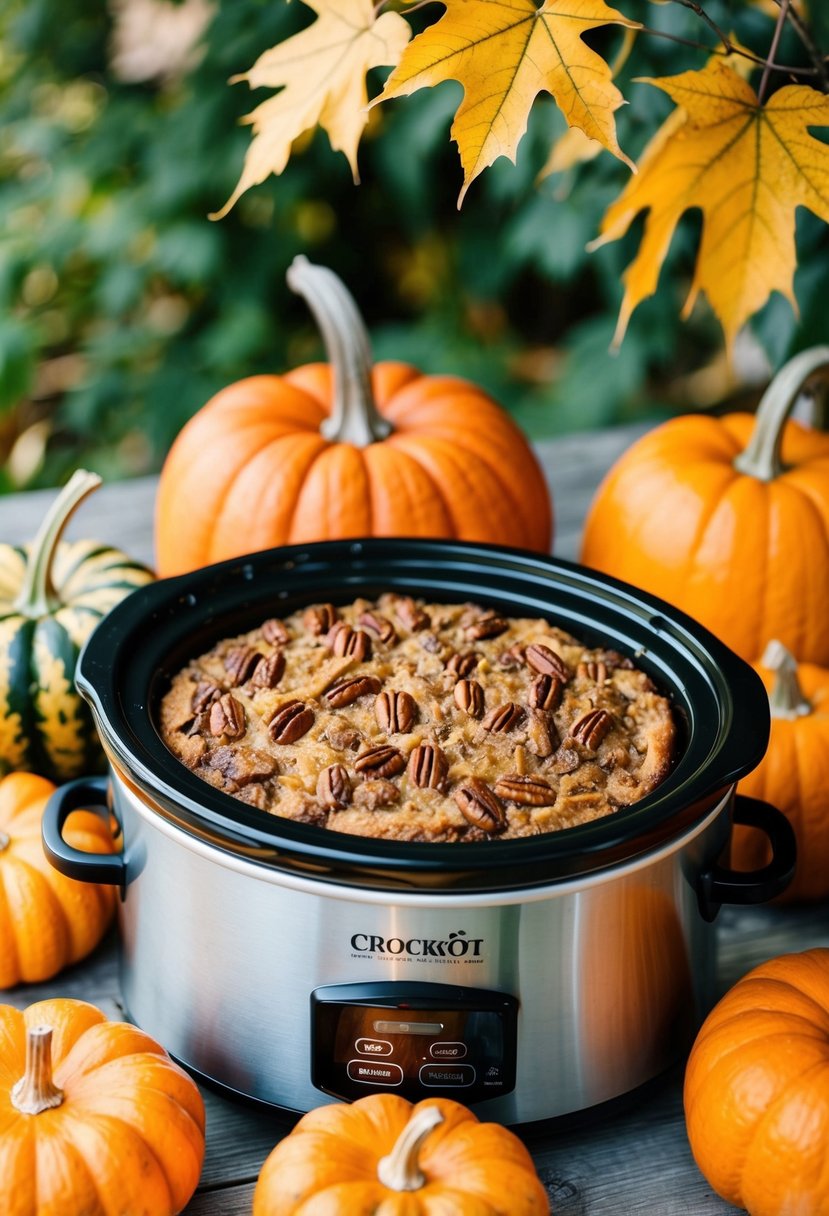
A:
746, 160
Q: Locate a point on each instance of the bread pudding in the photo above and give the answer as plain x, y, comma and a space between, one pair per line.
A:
407, 720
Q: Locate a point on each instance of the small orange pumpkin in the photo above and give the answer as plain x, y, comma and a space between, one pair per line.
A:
794, 775
343, 449
47, 921
113, 1124
757, 1089
728, 519
384, 1154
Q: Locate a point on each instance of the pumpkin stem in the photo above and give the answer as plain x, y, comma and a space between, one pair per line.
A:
400, 1170
5, 841
786, 698
762, 457
37, 596
354, 418
35, 1091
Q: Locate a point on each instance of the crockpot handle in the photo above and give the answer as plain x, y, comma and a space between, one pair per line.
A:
719, 885
89, 793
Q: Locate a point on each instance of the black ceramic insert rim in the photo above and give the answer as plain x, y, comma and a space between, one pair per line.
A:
128, 662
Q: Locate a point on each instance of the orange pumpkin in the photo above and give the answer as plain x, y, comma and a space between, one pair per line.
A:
47, 921
794, 775
343, 449
757, 1090
728, 519
383, 1154
113, 1124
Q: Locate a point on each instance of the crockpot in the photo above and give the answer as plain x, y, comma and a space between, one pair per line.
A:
531, 978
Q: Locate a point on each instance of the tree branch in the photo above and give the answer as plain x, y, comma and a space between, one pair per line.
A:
812, 50
775, 43
757, 60
728, 46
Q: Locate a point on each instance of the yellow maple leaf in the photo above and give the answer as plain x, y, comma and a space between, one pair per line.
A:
321, 73
747, 167
504, 53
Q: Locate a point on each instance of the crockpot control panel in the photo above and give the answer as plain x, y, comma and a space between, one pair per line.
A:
415, 1039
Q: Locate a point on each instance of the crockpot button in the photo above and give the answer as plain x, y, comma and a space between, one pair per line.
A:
373, 1047
448, 1051
445, 1076
369, 1073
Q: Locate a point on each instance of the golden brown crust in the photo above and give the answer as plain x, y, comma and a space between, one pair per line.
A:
443, 722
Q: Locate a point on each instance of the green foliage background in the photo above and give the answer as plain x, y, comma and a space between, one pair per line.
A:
123, 308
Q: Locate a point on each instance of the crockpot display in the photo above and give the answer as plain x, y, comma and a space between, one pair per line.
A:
422, 722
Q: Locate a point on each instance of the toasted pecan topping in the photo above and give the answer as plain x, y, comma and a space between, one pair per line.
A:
269, 671
542, 735
512, 659
592, 728
525, 789
427, 766
290, 722
345, 642
590, 670
348, 691
410, 615
380, 626
320, 618
395, 712
380, 761
469, 697
275, 633
227, 717
547, 662
462, 664
488, 625
205, 694
545, 692
334, 787
503, 717
240, 663
480, 806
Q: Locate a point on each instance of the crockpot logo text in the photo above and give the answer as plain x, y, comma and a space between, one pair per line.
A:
456, 946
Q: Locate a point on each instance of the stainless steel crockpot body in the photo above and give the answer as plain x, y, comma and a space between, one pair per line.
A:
531, 978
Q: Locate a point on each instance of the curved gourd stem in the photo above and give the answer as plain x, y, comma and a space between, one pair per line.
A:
36, 1091
37, 596
762, 457
400, 1170
354, 418
786, 699
5, 841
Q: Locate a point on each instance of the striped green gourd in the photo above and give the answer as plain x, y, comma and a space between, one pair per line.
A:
52, 595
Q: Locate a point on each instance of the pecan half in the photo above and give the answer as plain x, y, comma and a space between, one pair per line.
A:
409, 615
347, 642
592, 728
525, 790
480, 806
334, 787
269, 671
469, 697
462, 664
227, 717
205, 694
240, 663
380, 761
379, 625
275, 632
612, 659
545, 692
547, 662
372, 794
541, 733
320, 618
591, 670
395, 712
512, 659
502, 718
430, 643
490, 625
566, 760
427, 766
347, 691
241, 765
290, 722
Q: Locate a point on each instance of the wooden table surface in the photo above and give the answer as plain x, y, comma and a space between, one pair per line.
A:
635, 1161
